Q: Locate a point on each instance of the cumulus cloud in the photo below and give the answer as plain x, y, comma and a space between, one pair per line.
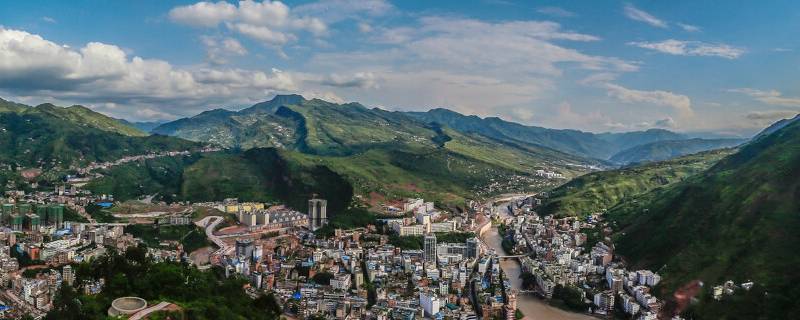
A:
219, 49
773, 97
357, 80
692, 48
270, 22
556, 12
639, 15
101, 73
680, 103
473, 66
204, 14
667, 123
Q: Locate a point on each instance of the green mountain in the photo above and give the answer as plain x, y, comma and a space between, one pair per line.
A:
585, 144
382, 154
599, 191
144, 126
55, 137
668, 149
777, 126
737, 221
254, 175
76, 114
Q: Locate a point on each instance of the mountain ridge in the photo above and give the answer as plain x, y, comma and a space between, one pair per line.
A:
736, 221
669, 149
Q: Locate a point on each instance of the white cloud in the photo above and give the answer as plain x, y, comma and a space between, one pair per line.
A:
218, 49
364, 27
565, 117
556, 12
364, 80
49, 19
204, 14
269, 22
332, 11
771, 115
473, 66
692, 48
680, 103
688, 27
100, 73
639, 15
667, 122
773, 97
261, 33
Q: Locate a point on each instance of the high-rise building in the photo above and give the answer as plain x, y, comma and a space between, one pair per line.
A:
473, 248
317, 213
68, 275
430, 248
55, 215
430, 303
17, 222
244, 248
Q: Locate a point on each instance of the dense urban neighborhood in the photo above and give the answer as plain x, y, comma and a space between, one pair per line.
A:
416, 260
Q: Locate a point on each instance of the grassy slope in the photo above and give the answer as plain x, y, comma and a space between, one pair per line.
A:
255, 175
738, 221
662, 150
86, 117
598, 191
76, 114
380, 153
32, 140
584, 144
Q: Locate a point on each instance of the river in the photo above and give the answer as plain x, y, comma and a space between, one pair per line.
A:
532, 307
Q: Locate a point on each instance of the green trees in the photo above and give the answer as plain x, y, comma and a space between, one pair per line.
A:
570, 297
323, 278
203, 295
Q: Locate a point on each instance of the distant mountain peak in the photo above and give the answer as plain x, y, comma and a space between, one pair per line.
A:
777, 126
273, 104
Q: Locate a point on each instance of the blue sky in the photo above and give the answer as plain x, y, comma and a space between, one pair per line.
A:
693, 66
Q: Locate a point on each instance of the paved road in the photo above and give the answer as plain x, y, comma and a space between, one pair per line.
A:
144, 313
17, 302
211, 223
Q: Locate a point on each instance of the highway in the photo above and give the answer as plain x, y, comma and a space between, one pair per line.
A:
210, 223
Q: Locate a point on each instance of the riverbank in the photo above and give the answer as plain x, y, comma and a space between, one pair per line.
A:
532, 307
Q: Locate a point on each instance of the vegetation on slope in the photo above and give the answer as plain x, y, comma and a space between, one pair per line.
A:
254, 175
599, 191
381, 154
737, 221
202, 295
76, 114
579, 143
663, 150
40, 140
191, 237
162, 177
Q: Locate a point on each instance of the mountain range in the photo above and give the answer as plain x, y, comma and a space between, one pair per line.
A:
50, 136
382, 153
273, 124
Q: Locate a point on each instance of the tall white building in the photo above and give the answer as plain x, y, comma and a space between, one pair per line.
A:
430, 303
